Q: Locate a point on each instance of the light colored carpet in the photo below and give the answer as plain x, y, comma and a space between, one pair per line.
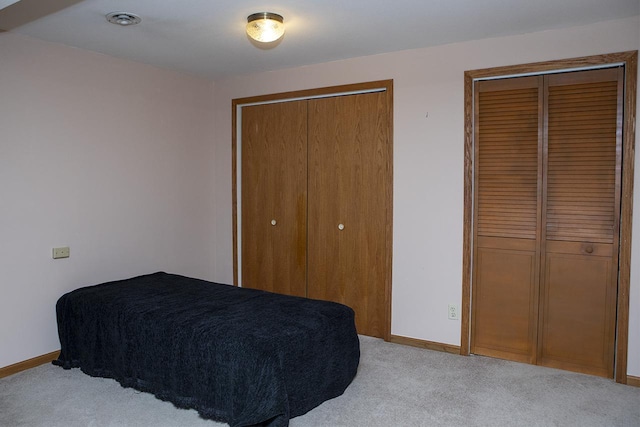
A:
395, 386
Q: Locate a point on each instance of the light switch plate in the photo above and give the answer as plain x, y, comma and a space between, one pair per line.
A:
62, 252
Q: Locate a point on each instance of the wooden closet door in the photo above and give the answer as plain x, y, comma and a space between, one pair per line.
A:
546, 222
581, 221
508, 126
274, 197
348, 174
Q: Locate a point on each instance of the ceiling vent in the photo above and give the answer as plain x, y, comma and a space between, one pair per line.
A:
123, 18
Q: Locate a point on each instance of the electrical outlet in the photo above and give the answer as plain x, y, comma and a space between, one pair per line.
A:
63, 252
453, 312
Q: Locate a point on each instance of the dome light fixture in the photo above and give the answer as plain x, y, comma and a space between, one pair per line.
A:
124, 19
265, 27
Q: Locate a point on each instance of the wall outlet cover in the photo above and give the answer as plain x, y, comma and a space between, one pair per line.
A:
63, 252
453, 312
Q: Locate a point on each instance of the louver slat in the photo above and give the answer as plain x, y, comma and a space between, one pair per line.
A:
507, 163
581, 162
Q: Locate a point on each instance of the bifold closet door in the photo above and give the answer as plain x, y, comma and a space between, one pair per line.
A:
348, 177
581, 220
546, 220
508, 185
274, 197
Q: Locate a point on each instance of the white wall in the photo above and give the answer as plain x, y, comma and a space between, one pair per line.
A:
428, 160
107, 156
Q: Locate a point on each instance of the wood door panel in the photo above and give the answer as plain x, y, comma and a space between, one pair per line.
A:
580, 221
274, 174
577, 317
507, 212
348, 175
504, 304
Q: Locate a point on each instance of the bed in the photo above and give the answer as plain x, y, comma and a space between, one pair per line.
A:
236, 355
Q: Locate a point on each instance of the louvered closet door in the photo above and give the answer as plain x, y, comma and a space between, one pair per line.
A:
349, 145
507, 211
546, 220
274, 197
581, 221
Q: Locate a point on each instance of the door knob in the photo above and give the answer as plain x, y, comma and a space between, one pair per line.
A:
273, 222
340, 227
589, 249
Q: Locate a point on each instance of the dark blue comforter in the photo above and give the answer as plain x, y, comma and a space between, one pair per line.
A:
240, 356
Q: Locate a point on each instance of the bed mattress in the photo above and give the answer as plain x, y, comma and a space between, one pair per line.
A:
236, 355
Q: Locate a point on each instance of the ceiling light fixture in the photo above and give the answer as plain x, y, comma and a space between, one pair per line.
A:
265, 27
123, 18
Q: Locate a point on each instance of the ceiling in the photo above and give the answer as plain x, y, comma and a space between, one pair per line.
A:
206, 37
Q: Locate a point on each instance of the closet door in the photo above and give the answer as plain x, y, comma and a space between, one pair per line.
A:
546, 220
507, 215
581, 220
349, 167
274, 197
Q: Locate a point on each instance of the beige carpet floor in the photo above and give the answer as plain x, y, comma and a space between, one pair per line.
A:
395, 386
